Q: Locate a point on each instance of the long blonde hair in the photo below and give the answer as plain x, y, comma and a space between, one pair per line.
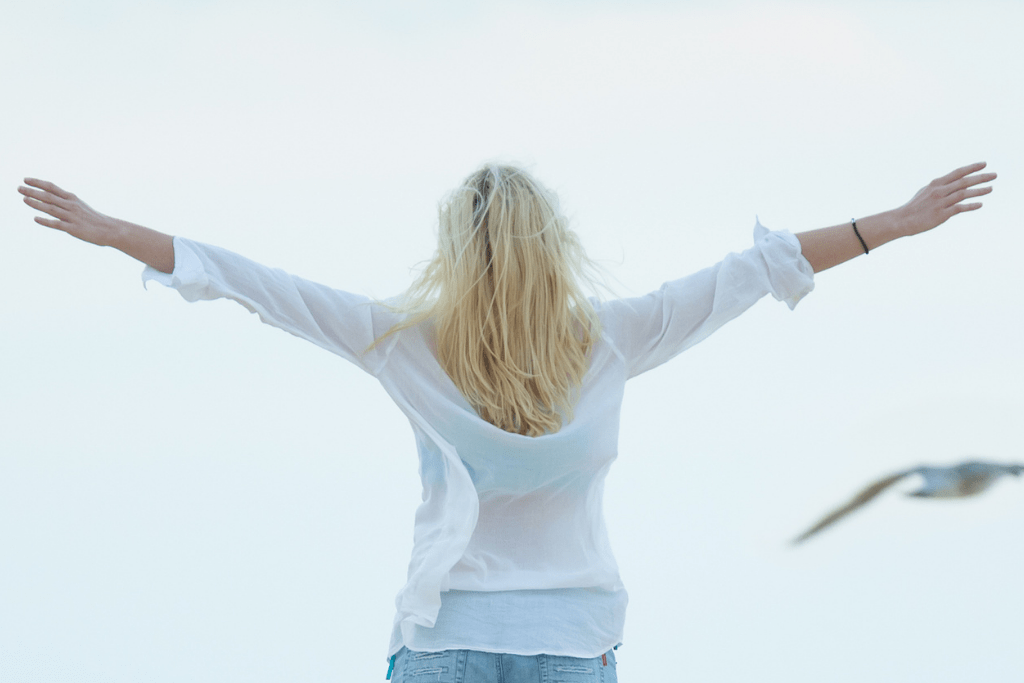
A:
514, 329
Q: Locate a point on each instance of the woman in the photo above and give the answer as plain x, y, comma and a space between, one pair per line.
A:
512, 381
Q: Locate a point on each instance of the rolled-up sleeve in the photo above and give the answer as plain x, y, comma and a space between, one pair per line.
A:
340, 322
650, 330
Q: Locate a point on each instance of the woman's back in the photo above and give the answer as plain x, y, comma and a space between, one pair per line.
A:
513, 327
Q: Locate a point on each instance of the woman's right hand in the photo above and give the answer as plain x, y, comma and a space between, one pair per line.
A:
69, 213
78, 219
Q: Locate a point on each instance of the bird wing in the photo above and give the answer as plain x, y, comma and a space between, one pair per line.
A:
860, 499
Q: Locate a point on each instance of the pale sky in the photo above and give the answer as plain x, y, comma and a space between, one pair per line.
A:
188, 495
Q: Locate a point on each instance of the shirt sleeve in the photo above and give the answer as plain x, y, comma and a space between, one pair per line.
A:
340, 322
650, 330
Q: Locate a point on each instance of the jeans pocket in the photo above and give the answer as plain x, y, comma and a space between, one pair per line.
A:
555, 669
420, 667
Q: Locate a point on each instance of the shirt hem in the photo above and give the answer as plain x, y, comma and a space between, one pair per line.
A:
521, 653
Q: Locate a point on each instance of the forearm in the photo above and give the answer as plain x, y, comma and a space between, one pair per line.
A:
154, 248
933, 205
829, 247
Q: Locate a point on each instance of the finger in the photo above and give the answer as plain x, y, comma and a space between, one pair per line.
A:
960, 208
43, 196
958, 197
960, 173
971, 180
48, 222
51, 209
49, 187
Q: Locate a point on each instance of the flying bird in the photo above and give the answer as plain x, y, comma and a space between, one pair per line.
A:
956, 481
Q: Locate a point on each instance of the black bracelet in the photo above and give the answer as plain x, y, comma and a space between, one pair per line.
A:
857, 233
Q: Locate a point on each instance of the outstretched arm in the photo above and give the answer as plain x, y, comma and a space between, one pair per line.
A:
75, 217
340, 322
932, 206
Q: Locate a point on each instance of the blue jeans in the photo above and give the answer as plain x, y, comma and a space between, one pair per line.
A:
470, 666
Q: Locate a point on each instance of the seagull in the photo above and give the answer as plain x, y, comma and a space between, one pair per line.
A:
957, 481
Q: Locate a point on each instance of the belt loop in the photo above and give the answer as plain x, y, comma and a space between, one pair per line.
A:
604, 660
391, 667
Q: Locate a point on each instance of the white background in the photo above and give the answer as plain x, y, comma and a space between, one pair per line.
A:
188, 496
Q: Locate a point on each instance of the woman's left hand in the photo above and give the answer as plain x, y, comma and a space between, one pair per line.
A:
942, 199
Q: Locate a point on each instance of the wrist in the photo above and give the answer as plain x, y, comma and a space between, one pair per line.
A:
880, 228
119, 233
897, 224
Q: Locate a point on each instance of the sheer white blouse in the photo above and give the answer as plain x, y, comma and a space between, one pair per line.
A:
510, 551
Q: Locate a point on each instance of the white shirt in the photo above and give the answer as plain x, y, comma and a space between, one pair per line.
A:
510, 551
